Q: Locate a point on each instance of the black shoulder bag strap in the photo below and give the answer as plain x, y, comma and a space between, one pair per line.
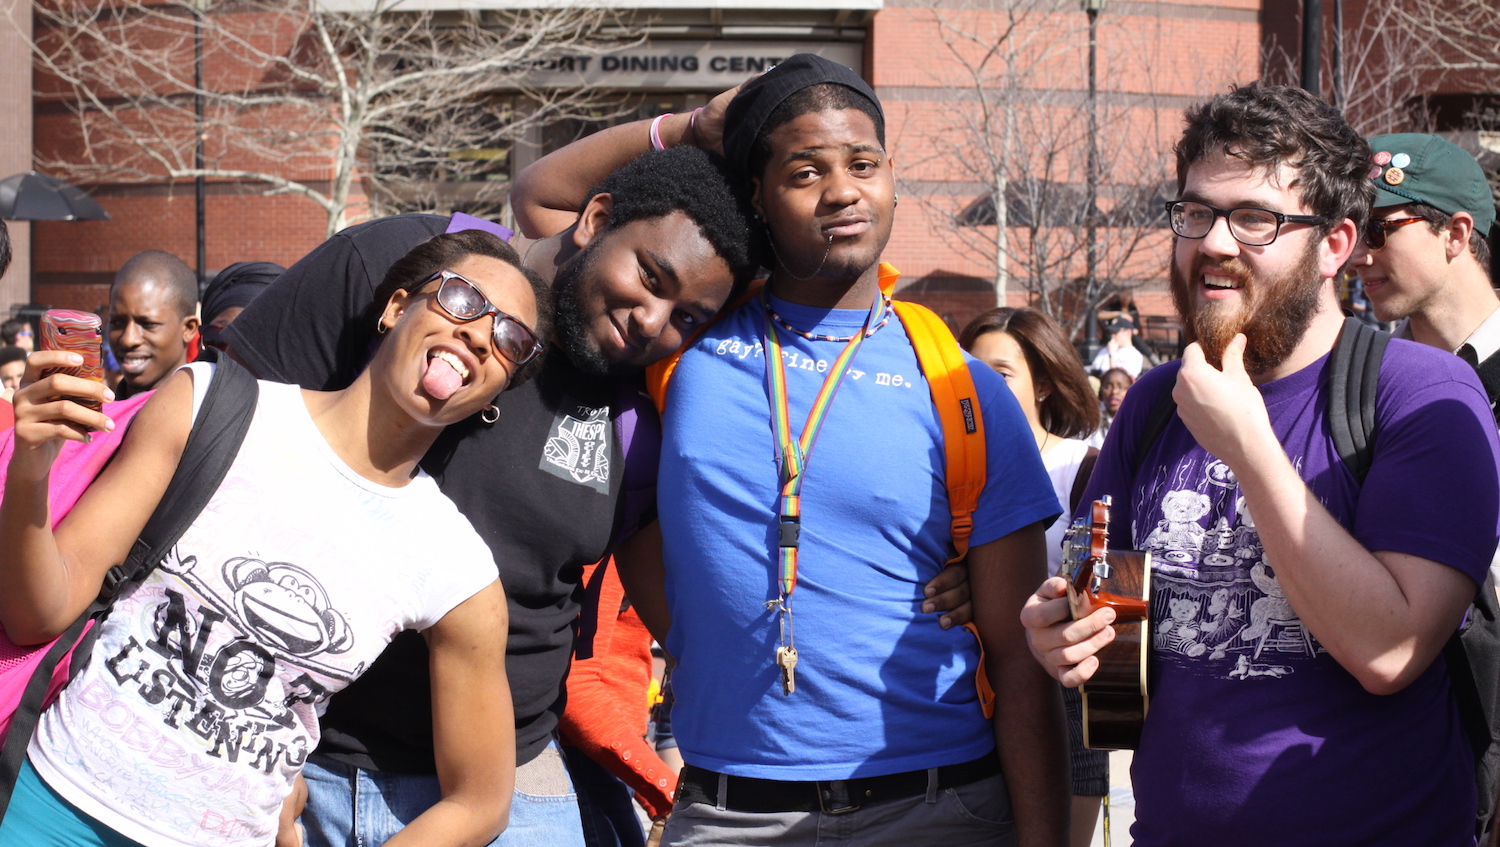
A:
1081, 481
218, 431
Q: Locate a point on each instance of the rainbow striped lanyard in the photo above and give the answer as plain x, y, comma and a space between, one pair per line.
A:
792, 455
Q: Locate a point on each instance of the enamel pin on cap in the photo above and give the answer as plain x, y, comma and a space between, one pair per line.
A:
1413, 167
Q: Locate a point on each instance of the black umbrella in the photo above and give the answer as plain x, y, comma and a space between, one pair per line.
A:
37, 197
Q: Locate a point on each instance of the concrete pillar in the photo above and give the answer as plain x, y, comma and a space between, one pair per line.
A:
15, 139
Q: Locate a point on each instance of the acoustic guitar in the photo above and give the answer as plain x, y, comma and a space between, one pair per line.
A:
1116, 698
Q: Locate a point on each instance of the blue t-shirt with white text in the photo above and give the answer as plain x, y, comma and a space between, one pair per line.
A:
880, 686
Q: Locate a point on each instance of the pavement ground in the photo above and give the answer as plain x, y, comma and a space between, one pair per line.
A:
1121, 803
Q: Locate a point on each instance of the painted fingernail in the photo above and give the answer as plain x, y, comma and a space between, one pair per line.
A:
109, 396
109, 424
75, 358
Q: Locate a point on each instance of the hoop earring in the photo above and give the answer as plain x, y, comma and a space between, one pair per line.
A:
489, 414
380, 326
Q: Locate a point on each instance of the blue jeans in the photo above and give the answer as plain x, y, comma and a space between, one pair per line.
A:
350, 807
607, 804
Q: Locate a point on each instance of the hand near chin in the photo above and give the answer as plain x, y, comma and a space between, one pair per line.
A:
1222, 408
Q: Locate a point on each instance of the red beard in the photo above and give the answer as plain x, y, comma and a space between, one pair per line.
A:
1273, 313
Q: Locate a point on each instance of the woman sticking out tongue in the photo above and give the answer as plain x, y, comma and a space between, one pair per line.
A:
324, 541
444, 376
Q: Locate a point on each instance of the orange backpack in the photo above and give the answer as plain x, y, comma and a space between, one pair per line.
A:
957, 403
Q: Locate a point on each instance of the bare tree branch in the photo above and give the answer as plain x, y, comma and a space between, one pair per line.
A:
1003, 172
301, 99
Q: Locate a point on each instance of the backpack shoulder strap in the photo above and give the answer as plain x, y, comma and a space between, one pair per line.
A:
660, 374
1354, 376
217, 433
1163, 409
211, 448
957, 404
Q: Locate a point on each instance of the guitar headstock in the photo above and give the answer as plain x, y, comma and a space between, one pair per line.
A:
1085, 547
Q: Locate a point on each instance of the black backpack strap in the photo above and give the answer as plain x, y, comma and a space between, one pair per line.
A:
1163, 409
1353, 378
218, 431
23, 722
220, 427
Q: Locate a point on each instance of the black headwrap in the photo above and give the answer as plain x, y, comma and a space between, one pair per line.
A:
747, 113
237, 285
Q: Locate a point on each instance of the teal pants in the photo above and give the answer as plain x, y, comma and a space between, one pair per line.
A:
40, 817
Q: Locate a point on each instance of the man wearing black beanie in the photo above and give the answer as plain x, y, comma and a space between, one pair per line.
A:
860, 718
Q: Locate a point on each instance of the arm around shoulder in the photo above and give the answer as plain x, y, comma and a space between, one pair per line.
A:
644, 575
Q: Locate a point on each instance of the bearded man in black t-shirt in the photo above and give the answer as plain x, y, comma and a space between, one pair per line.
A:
657, 249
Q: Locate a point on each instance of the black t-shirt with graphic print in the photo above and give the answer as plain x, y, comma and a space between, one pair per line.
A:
541, 486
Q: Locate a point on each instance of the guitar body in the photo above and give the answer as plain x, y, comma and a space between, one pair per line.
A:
1116, 698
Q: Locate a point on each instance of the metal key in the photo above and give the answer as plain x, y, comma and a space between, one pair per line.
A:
786, 658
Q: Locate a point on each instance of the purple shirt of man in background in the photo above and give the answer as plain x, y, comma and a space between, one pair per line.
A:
1256, 735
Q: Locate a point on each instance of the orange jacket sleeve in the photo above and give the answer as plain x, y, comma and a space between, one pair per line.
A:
607, 709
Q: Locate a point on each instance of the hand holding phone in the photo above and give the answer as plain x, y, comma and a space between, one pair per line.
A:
76, 332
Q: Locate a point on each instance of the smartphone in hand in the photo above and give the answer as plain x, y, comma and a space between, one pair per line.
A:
76, 332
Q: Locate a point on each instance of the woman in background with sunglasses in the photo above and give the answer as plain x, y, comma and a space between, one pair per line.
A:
201, 699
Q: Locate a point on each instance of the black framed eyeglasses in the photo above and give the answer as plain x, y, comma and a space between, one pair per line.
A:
1374, 234
1249, 225
465, 302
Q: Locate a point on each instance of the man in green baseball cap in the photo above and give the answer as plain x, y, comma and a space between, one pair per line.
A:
1424, 258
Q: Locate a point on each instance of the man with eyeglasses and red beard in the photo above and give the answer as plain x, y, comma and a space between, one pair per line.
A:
1298, 697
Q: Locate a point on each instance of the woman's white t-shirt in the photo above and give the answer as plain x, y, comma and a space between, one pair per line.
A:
1062, 464
201, 699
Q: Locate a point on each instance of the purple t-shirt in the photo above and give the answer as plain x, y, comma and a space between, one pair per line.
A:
1255, 734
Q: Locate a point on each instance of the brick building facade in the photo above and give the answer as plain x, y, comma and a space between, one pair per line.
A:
1154, 59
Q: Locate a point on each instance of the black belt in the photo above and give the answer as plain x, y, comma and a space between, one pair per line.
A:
835, 797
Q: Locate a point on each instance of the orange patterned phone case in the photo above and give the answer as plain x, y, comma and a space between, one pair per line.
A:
75, 332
